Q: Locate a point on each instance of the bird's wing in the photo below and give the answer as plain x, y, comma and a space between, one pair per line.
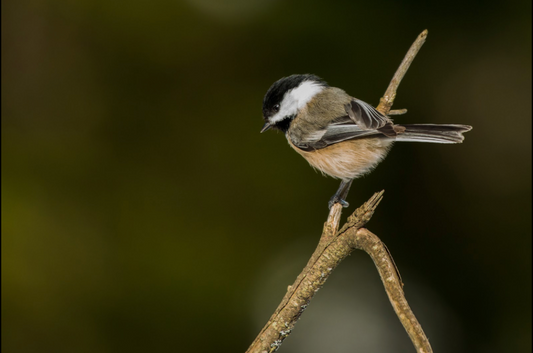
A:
333, 133
362, 120
365, 116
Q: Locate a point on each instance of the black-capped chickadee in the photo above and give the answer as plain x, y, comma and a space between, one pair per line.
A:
337, 134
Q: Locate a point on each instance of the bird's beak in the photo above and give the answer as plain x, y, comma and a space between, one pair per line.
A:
266, 127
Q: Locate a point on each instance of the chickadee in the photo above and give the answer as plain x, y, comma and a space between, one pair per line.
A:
337, 134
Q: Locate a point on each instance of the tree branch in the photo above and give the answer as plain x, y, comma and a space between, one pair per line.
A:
373, 246
336, 245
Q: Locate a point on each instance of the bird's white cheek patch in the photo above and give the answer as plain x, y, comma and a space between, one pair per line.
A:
296, 99
305, 92
288, 107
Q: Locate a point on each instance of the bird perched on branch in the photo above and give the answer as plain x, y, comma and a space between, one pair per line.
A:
339, 135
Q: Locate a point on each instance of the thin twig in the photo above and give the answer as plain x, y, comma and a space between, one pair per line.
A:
370, 243
385, 103
335, 245
397, 111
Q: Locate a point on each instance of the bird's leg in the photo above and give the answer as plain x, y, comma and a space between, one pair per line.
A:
341, 194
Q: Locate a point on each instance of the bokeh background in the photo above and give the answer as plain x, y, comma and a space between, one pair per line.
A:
143, 211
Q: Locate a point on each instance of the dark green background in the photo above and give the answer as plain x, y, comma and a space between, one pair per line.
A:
143, 211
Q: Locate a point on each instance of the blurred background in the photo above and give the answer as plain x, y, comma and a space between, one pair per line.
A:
143, 211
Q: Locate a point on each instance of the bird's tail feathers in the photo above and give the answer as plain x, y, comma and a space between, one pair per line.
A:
434, 133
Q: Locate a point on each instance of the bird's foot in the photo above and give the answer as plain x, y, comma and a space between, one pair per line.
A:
336, 199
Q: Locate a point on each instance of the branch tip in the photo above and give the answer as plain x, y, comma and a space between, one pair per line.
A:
374, 201
397, 111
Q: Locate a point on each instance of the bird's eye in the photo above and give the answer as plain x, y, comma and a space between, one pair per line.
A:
276, 108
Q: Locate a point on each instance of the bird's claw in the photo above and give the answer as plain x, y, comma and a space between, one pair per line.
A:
335, 200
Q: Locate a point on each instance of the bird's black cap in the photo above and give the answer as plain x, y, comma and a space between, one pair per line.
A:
278, 89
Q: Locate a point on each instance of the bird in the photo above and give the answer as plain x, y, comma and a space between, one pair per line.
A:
339, 135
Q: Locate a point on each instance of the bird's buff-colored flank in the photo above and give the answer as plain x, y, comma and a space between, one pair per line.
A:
334, 161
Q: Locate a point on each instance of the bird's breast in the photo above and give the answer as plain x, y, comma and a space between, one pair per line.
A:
348, 159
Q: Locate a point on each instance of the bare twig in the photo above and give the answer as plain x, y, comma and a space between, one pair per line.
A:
385, 103
370, 243
398, 112
335, 245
